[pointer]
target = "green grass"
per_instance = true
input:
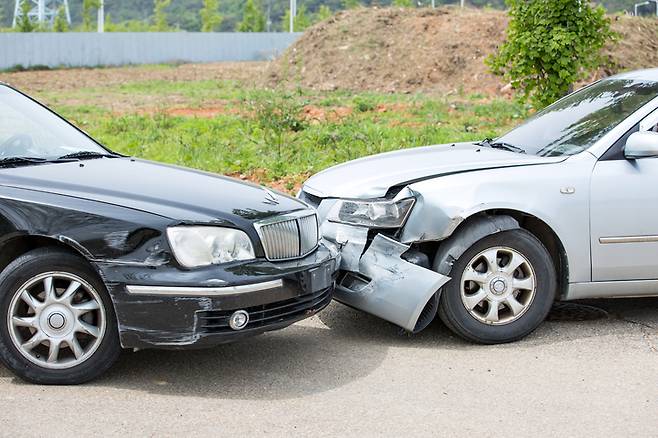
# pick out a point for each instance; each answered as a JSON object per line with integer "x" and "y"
{"x": 268, "y": 134}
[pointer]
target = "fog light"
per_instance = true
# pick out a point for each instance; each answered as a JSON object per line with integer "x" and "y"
{"x": 238, "y": 320}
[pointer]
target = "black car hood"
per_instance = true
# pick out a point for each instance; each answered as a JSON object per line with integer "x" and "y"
{"x": 178, "y": 193}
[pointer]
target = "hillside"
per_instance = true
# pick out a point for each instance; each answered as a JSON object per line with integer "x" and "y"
{"x": 442, "y": 50}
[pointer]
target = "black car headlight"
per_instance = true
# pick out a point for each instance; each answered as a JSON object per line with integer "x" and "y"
{"x": 372, "y": 214}
{"x": 196, "y": 246}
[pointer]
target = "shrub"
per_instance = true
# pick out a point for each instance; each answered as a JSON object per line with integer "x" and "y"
{"x": 550, "y": 45}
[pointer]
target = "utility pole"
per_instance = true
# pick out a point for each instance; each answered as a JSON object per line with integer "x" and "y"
{"x": 41, "y": 11}
{"x": 101, "y": 16}
{"x": 293, "y": 13}
{"x": 269, "y": 16}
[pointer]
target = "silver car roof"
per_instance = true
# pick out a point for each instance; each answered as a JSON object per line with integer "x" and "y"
{"x": 649, "y": 74}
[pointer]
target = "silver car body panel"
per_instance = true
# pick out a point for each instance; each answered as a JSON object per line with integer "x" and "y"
{"x": 454, "y": 246}
{"x": 613, "y": 289}
{"x": 624, "y": 217}
{"x": 584, "y": 201}
{"x": 394, "y": 289}
{"x": 558, "y": 196}
{"x": 377, "y": 173}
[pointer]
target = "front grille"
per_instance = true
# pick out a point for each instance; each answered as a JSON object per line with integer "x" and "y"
{"x": 290, "y": 236}
{"x": 216, "y": 321}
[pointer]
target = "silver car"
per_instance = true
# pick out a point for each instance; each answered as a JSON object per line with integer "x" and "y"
{"x": 490, "y": 234}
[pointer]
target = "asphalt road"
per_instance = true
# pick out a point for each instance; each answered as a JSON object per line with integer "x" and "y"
{"x": 346, "y": 373}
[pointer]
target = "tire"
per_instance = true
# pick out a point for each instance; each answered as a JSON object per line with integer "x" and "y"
{"x": 82, "y": 314}
{"x": 515, "y": 312}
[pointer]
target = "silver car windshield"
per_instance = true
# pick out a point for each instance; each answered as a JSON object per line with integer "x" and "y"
{"x": 27, "y": 129}
{"x": 573, "y": 124}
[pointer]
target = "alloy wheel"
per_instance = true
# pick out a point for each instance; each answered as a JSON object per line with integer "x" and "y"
{"x": 498, "y": 285}
{"x": 56, "y": 320}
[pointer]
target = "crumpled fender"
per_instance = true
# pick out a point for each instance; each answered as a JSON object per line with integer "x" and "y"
{"x": 473, "y": 230}
{"x": 387, "y": 285}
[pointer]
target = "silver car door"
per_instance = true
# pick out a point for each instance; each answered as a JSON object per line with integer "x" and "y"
{"x": 624, "y": 216}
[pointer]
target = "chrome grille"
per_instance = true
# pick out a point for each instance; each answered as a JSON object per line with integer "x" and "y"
{"x": 289, "y": 236}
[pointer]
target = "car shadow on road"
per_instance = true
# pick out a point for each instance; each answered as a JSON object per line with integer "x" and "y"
{"x": 343, "y": 346}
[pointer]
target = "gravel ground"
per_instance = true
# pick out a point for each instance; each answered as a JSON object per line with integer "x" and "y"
{"x": 346, "y": 373}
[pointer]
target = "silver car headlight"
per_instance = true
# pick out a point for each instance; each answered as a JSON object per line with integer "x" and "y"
{"x": 196, "y": 246}
{"x": 372, "y": 214}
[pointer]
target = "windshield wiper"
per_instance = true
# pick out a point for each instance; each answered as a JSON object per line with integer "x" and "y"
{"x": 86, "y": 155}
{"x": 488, "y": 142}
{"x": 13, "y": 161}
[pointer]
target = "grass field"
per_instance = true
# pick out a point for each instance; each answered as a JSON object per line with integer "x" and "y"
{"x": 274, "y": 137}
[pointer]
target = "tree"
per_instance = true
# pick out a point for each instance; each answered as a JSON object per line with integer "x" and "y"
{"x": 25, "y": 24}
{"x": 323, "y": 13}
{"x": 160, "y": 15}
{"x": 302, "y": 20}
{"x": 89, "y": 8}
{"x": 210, "y": 18}
{"x": 253, "y": 19}
{"x": 126, "y": 26}
{"x": 61, "y": 23}
{"x": 550, "y": 45}
{"x": 351, "y": 4}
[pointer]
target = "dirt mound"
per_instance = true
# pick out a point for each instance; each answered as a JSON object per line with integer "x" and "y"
{"x": 435, "y": 50}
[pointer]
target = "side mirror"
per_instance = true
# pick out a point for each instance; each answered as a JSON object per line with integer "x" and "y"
{"x": 641, "y": 145}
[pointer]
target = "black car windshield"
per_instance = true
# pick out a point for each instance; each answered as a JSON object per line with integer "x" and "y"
{"x": 573, "y": 124}
{"x": 28, "y": 130}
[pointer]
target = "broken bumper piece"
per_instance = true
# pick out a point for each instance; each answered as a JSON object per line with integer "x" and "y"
{"x": 171, "y": 308}
{"x": 378, "y": 281}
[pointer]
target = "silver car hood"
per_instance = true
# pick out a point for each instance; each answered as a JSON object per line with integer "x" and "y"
{"x": 371, "y": 177}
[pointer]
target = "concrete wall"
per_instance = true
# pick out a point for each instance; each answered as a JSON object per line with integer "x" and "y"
{"x": 77, "y": 49}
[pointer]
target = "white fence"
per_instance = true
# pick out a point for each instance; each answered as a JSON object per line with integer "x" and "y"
{"x": 77, "y": 49}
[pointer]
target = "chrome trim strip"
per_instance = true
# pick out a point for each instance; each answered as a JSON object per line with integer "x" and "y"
{"x": 285, "y": 217}
{"x": 202, "y": 291}
{"x": 628, "y": 239}
{"x": 613, "y": 289}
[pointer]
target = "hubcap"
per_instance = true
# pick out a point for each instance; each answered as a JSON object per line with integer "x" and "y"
{"x": 498, "y": 285}
{"x": 56, "y": 320}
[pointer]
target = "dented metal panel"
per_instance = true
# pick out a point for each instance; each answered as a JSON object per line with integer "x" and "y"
{"x": 386, "y": 286}
{"x": 350, "y": 240}
{"x": 452, "y": 248}
{"x": 397, "y": 290}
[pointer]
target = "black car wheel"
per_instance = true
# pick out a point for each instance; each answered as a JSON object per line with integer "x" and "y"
{"x": 58, "y": 324}
{"x": 502, "y": 288}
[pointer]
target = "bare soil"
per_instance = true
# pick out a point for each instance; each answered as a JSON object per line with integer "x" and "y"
{"x": 441, "y": 50}
{"x": 75, "y": 78}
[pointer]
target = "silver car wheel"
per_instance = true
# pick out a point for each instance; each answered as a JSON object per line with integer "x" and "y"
{"x": 498, "y": 285}
{"x": 56, "y": 320}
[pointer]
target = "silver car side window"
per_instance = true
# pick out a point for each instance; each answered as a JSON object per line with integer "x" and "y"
{"x": 650, "y": 122}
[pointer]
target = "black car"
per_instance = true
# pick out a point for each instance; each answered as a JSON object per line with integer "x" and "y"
{"x": 100, "y": 251}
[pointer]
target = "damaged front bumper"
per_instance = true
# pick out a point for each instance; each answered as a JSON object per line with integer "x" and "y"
{"x": 376, "y": 279}
{"x": 166, "y": 307}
